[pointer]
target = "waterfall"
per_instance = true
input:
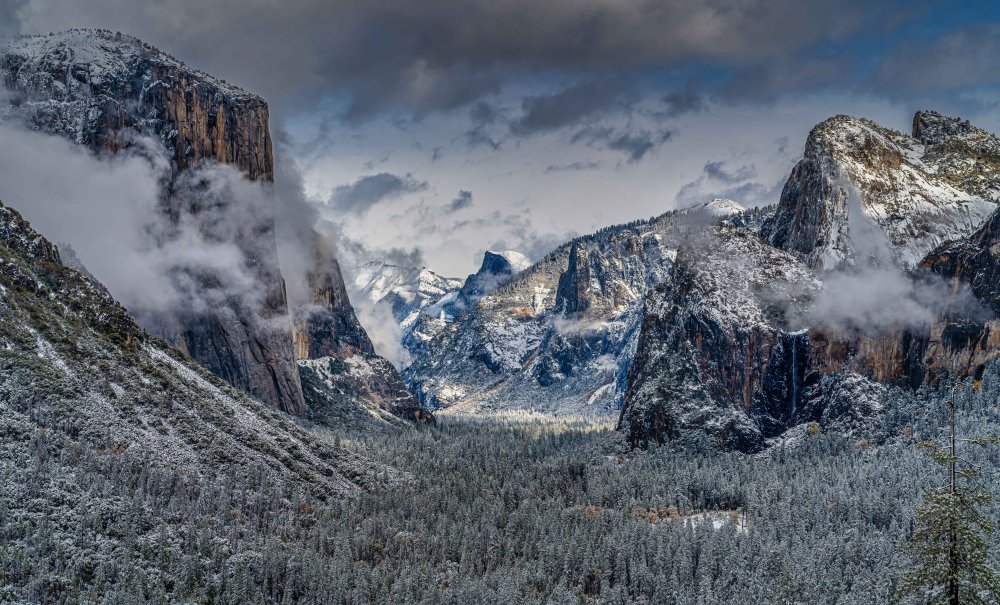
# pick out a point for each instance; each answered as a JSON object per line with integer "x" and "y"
{"x": 793, "y": 403}
{"x": 795, "y": 377}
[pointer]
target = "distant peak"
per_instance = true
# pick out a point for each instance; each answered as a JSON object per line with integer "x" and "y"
{"x": 719, "y": 207}
{"x": 504, "y": 261}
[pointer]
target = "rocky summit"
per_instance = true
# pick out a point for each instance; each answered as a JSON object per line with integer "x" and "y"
{"x": 919, "y": 190}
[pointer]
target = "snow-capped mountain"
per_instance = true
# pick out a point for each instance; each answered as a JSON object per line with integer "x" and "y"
{"x": 718, "y": 207}
{"x": 408, "y": 291}
{"x": 558, "y": 337}
{"x": 741, "y": 340}
{"x": 937, "y": 184}
{"x": 423, "y": 302}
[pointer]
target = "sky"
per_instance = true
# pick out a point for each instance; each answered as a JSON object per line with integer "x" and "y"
{"x": 432, "y": 131}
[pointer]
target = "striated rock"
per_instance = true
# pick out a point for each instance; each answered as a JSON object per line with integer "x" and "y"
{"x": 102, "y": 90}
{"x": 919, "y": 191}
{"x": 95, "y": 87}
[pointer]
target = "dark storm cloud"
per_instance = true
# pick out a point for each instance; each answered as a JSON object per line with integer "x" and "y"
{"x": 761, "y": 83}
{"x": 462, "y": 200}
{"x": 380, "y": 55}
{"x": 484, "y": 116}
{"x": 359, "y": 196}
{"x": 719, "y": 172}
{"x": 569, "y": 106}
{"x": 635, "y": 145}
{"x": 958, "y": 60}
{"x": 684, "y": 101}
{"x": 574, "y": 167}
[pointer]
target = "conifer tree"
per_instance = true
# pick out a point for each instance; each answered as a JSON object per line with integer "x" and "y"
{"x": 953, "y": 566}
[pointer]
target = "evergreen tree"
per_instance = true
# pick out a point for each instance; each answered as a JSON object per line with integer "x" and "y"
{"x": 953, "y": 565}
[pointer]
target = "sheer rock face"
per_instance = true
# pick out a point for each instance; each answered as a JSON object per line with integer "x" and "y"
{"x": 919, "y": 191}
{"x": 100, "y": 89}
{"x": 326, "y": 325}
{"x": 713, "y": 354}
{"x": 94, "y": 88}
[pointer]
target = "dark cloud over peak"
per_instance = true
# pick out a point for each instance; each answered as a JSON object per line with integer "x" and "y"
{"x": 573, "y": 167}
{"x": 718, "y": 171}
{"x": 957, "y": 60}
{"x": 687, "y": 100}
{"x": 570, "y": 106}
{"x": 722, "y": 179}
{"x": 462, "y": 200}
{"x": 379, "y": 56}
{"x": 359, "y": 196}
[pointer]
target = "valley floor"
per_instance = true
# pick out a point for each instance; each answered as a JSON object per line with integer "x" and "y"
{"x": 495, "y": 513}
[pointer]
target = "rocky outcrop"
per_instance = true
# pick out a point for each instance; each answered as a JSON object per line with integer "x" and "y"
{"x": 95, "y": 88}
{"x": 497, "y": 269}
{"x": 340, "y": 370}
{"x": 326, "y": 325}
{"x": 713, "y": 354}
{"x": 918, "y": 191}
{"x": 105, "y": 91}
{"x": 336, "y": 390}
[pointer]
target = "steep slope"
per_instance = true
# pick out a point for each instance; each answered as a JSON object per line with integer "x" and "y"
{"x": 715, "y": 352}
{"x": 559, "y": 337}
{"x": 113, "y": 93}
{"x": 102, "y": 90}
{"x": 937, "y": 185}
{"x": 77, "y": 372}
